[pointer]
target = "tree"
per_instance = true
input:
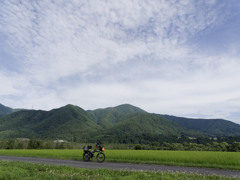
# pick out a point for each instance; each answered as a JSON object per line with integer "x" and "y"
{"x": 138, "y": 147}
{"x": 10, "y": 144}
{"x": 35, "y": 144}
{"x": 235, "y": 147}
{"x": 224, "y": 146}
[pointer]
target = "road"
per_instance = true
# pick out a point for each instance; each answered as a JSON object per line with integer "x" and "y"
{"x": 125, "y": 166}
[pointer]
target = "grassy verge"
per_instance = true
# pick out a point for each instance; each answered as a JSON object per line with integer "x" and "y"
{"x": 20, "y": 170}
{"x": 222, "y": 160}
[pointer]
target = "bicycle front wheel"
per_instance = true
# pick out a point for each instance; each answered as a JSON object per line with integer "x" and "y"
{"x": 100, "y": 157}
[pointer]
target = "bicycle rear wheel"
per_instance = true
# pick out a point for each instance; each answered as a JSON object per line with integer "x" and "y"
{"x": 86, "y": 156}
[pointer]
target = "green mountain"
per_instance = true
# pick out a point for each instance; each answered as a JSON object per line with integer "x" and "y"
{"x": 217, "y": 127}
{"x": 108, "y": 117}
{"x": 142, "y": 127}
{"x": 67, "y": 122}
{"x": 4, "y": 110}
{"x": 124, "y": 124}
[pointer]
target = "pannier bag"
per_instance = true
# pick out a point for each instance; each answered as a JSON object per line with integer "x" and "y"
{"x": 87, "y": 147}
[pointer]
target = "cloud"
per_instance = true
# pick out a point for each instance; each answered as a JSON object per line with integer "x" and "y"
{"x": 48, "y": 33}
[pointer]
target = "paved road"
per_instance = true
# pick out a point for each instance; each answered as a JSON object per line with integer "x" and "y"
{"x": 125, "y": 166}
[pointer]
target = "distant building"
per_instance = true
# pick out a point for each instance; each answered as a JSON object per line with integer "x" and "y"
{"x": 192, "y": 138}
{"x": 59, "y": 141}
{"x": 22, "y": 139}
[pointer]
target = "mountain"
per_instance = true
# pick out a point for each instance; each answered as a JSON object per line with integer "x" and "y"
{"x": 124, "y": 124}
{"x": 64, "y": 123}
{"x": 142, "y": 127}
{"x": 68, "y": 122}
{"x": 108, "y": 117}
{"x": 217, "y": 127}
{"x": 4, "y": 110}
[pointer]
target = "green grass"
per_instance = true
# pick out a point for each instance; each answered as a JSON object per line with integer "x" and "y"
{"x": 222, "y": 160}
{"x": 20, "y": 170}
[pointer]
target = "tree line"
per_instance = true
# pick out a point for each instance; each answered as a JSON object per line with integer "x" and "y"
{"x": 59, "y": 144}
{"x": 214, "y": 146}
{"x": 128, "y": 138}
{"x": 37, "y": 144}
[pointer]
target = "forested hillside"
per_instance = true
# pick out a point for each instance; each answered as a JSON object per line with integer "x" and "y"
{"x": 120, "y": 124}
{"x": 4, "y": 110}
{"x": 217, "y": 127}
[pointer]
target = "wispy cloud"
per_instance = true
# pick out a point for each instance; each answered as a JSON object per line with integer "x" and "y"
{"x": 102, "y": 53}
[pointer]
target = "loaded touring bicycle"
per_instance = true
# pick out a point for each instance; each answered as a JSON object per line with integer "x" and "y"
{"x": 89, "y": 153}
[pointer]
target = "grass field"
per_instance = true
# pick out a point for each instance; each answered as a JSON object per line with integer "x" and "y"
{"x": 20, "y": 170}
{"x": 223, "y": 160}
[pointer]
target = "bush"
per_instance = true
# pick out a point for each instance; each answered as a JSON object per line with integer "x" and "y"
{"x": 35, "y": 144}
{"x": 138, "y": 147}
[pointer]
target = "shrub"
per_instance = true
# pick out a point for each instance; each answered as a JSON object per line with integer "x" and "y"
{"x": 138, "y": 147}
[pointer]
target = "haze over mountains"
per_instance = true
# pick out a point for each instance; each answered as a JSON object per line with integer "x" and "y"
{"x": 124, "y": 123}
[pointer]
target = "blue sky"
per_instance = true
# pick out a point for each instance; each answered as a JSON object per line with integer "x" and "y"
{"x": 171, "y": 57}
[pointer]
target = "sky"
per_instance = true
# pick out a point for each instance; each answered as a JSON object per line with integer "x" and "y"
{"x": 178, "y": 57}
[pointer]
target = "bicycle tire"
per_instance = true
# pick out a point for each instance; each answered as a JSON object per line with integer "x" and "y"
{"x": 100, "y": 157}
{"x": 86, "y": 156}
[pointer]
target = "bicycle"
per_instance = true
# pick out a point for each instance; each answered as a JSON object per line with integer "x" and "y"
{"x": 88, "y": 153}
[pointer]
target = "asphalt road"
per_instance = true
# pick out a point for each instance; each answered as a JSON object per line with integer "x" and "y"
{"x": 126, "y": 166}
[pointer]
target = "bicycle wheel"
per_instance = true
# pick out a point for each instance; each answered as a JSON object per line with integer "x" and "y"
{"x": 86, "y": 156}
{"x": 100, "y": 157}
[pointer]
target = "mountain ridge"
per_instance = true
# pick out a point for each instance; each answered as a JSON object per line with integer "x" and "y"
{"x": 4, "y": 110}
{"x": 206, "y": 125}
{"x": 124, "y": 123}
